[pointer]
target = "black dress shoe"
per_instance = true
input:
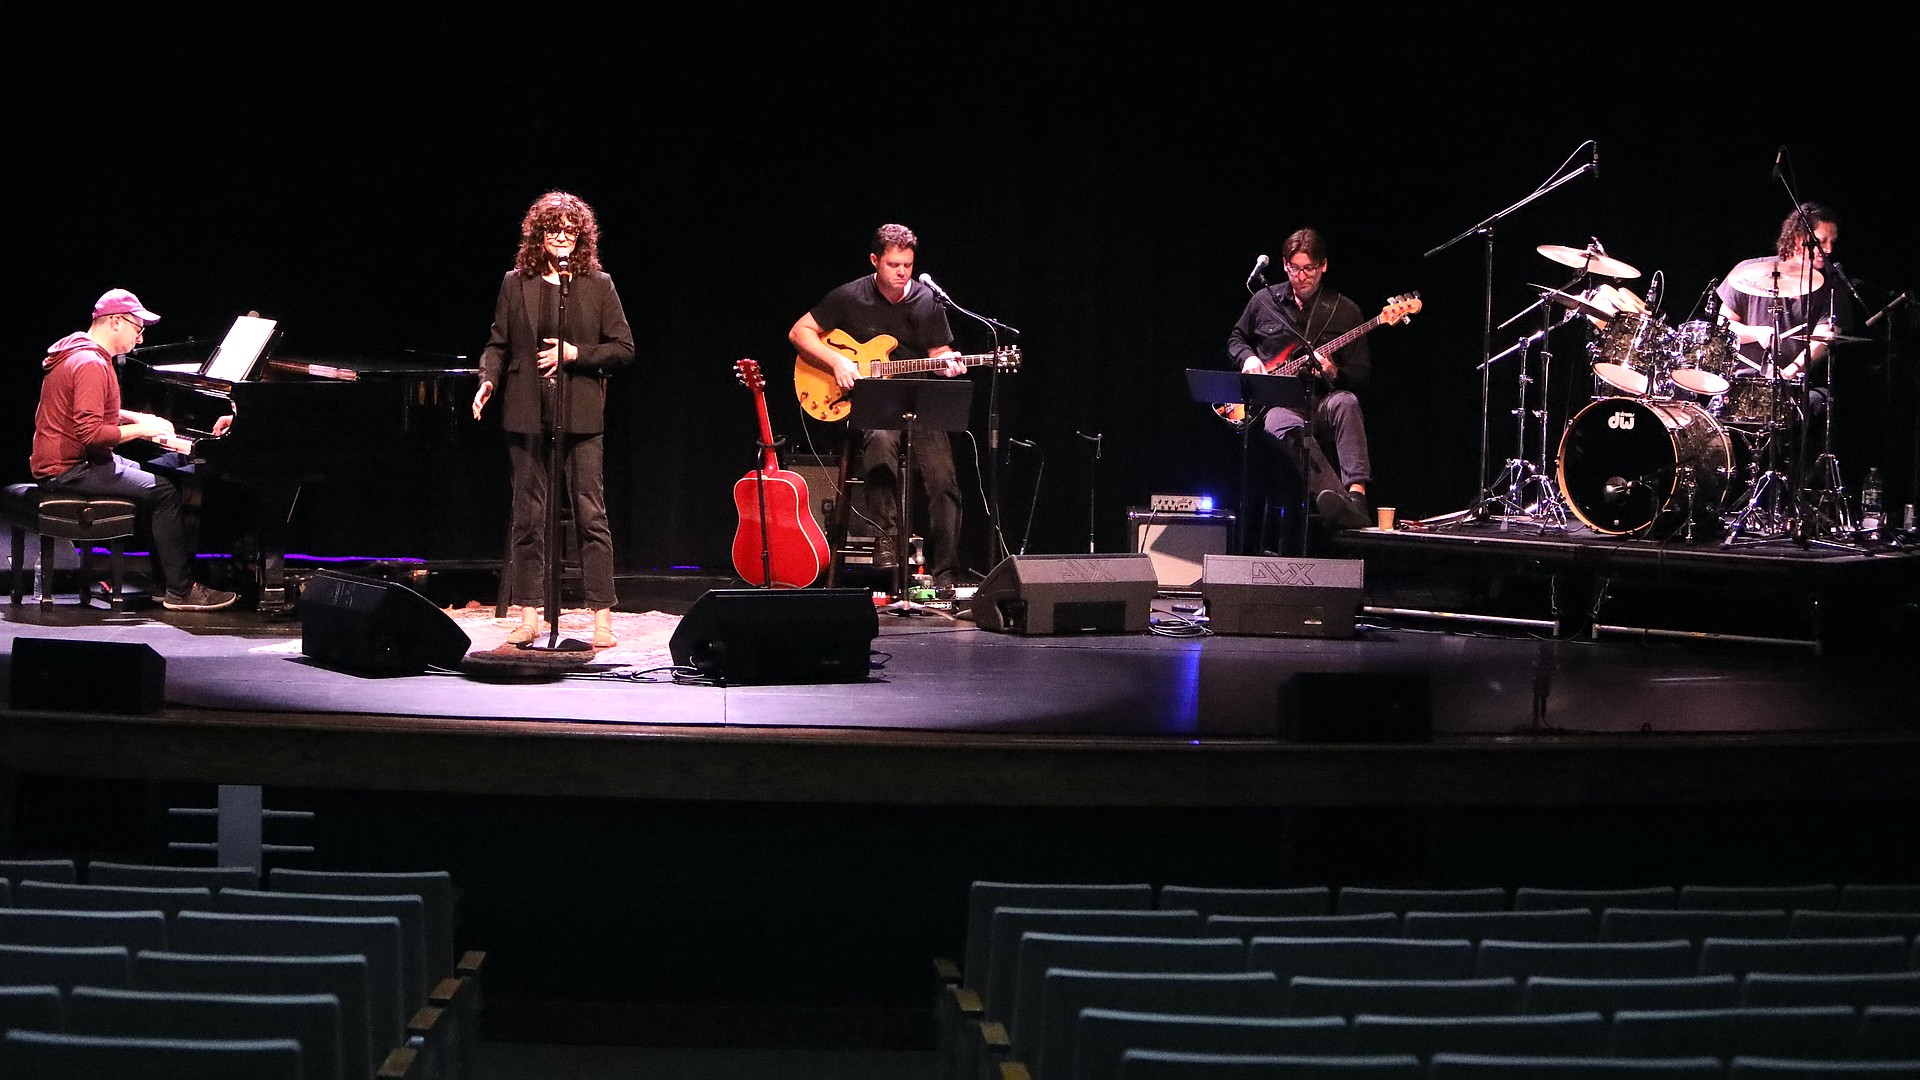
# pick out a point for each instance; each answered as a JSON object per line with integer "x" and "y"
{"x": 884, "y": 555}
{"x": 1343, "y": 509}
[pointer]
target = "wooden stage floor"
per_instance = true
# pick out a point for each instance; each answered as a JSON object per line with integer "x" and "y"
{"x": 1547, "y": 714}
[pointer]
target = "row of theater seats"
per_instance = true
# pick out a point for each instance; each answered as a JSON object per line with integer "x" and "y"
{"x": 199, "y": 971}
{"x": 1088, "y": 982}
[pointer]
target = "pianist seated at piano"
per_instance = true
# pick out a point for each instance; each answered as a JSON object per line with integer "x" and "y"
{"x": 80, "y": 424}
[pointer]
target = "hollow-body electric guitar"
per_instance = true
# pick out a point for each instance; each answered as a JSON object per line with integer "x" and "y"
{"x": 823, "y": 399}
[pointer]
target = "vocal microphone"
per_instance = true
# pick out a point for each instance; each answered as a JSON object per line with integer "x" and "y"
{"x": 1777, "y": 156}
{"x": 1258, "y": 265}
{"x": 939, "y": 293}
{"x": 560, "y": 265}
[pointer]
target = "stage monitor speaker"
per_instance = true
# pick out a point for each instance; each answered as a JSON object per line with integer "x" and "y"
{"x": 1067, "y": 594}
{"x": 1356, "y": 707}
{"x": 1177, "y": 542}
{"x": 65, "y": 675}
{"x": 1280, "y": 596}
{"x": 762, "y": 636}
{"x": 374, "y": 627}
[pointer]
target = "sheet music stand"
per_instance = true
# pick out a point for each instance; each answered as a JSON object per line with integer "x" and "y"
{"x": 1211, "y": 386}
{"x": 909, "y": 406}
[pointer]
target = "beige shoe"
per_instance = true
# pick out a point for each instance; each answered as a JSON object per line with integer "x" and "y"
{"x": 603, "y": 629}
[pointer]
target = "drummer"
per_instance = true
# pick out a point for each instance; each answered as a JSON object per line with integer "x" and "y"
{"x": 1794, "y": 276}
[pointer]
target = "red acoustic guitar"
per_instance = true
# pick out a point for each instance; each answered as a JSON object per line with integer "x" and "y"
{"x": 778, "y": 544}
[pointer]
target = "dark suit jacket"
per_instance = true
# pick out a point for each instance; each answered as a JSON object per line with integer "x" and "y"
{"x": 596, "y": 324}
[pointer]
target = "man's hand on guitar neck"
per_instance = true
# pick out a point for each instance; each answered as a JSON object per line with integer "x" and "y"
{"x": 954, "y": 367}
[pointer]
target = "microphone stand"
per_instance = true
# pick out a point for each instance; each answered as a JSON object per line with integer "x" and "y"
{"x": 556, "y": 450}
{"x": 1093, "y": 483}
{"x": 1485, "y": 229}
{"x": 994, "y": 328}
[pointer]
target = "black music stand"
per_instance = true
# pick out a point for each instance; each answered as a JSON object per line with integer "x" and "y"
{"x": 925, "y": 406}
{"x": 1210, "y": 386}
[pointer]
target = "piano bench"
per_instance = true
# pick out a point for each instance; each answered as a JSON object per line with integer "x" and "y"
{"x": 85, "y": 520}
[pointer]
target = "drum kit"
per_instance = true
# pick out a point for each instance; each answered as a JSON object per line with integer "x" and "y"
{"x": 1683, "y": 432}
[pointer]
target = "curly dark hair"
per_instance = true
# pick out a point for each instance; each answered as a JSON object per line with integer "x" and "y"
{"x": 893, "y": 236}
{"x": 1800, "y": 225}
{"x": 557, "y": 208}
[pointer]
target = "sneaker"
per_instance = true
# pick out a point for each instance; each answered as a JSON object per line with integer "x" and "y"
{"x": 199, "y": 598}
{"x": 1343, "y": 509}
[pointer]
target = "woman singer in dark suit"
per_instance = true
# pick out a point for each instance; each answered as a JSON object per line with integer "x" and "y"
{"x": 532, "y": 360}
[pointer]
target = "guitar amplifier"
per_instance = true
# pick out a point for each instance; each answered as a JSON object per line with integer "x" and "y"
{"x": 1177, "y": 542}
{"x": 822, "y": 474}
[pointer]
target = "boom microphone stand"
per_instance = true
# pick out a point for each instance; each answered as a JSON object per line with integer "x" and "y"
{"x": 994, "y": 327}
{"x": 1485, "y": 229}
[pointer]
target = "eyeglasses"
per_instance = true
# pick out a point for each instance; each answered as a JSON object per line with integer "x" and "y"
{"x": 139, "y": 328}
{"x": 563, "y": 230}
{"x": 1305, "y": 271}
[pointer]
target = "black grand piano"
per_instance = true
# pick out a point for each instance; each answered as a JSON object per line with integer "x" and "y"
{"x": 364, "y": 458}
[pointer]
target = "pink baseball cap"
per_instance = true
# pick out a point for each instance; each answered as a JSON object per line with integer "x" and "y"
{"x": 122, "y": 302}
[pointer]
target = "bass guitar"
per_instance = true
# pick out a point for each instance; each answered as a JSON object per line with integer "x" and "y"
{"x": 1294, "y": 358}
{"x": 823, "y": 399}
{"x": 778, "y": 544}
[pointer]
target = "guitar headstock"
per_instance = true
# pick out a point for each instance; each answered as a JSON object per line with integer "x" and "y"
{"x": 1007, "y": 358}
{"x": 748, "y": 372}
{"x": 1400, "y": 308}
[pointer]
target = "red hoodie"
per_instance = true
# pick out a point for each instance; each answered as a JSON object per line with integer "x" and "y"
{"x": 79, "y": 415}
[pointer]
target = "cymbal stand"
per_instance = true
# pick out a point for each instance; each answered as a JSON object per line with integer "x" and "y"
{"x": 1521, "y": 478}
{"x": 1767, "y": 516}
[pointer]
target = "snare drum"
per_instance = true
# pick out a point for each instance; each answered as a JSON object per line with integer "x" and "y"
{"x": 1627, "y": 464}
{"x": 1703, "y": 357}
{"x": 1633, "y": 352}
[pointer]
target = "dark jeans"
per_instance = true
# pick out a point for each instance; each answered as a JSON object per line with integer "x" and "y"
{"x": 158, "y": 496}
{"x": 1336, "y": 455}
{"x": 933, "y": 464}
{"x": 584, "y": 472}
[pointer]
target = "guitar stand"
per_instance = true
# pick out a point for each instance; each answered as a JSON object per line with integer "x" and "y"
{"x": 928, "y": 406}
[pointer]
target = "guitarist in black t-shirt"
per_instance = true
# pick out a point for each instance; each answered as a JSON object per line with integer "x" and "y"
{"x": 889, "y": 302}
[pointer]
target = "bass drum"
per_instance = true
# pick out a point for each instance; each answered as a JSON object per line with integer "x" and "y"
{"x": 1628, "y": 464}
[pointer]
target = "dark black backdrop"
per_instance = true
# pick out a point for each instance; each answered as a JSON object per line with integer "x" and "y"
{"x": 1104, "y": 184}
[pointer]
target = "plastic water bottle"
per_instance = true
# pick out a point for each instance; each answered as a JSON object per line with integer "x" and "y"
{"x": 1870, "y": 508}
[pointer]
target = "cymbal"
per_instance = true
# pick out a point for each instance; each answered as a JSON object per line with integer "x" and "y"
{"x": 1771, "y": 277}
{"x": 1589, "y": 259}
{"x": 1583, "y": 305}
{"x": 1836, "y": 339}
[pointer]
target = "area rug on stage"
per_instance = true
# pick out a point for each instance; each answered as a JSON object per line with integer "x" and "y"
{"x": 643, "y": 635}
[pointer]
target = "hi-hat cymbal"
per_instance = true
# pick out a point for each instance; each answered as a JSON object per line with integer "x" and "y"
{"x": 1835, "y": 339}
{"x": 1590, "y": 259}
{"x": 1583, "y": 305}
{"x": 1771, "y": 277}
